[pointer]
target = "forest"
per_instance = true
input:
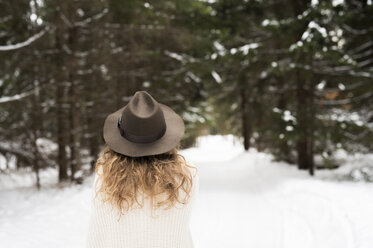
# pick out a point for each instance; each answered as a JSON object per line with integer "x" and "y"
{"x": 291, "y": 78}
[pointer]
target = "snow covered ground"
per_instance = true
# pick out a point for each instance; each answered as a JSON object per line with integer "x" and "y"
{"x": 245, "y": 200}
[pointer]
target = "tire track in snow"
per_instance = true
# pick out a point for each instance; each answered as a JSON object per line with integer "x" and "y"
{"x": 268, "y": 199}
{"x": 335, "y": 211}
{"x": 332, "y": 212}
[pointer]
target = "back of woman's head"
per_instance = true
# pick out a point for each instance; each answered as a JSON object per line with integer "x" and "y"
{"x": 126, "y": 181}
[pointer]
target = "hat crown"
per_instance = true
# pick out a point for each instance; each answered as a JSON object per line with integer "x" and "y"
{"x": 143, "y": 105}
{"x": 142, "y": 117}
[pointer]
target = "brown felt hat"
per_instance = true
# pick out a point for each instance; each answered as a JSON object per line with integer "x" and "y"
{"x": 143, "y": 127}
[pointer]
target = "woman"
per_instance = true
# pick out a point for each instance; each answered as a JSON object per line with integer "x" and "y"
{"x": 144, "y": 189}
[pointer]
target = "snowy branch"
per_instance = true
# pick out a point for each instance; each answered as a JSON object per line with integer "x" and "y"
{"x": 24, "y": 43}
{"x": 182, "y": 58}
{"x": 93, "y": 18}
{"x": 347, "y": 88}
{"x": 17, "y": 97}
{"x": 361, "y": 74}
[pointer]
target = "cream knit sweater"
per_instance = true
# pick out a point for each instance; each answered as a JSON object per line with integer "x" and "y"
{"x": 141, "y": 227}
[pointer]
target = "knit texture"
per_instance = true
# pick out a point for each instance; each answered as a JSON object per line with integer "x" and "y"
{"x": 141, "y": 227}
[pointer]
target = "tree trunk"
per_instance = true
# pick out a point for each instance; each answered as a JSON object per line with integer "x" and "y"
{"x": 74, "y": 131}
{"x": 36, "y": 114}
{"x": 93, "y": 152}
{"x": 311, "y": 129}
{"x": 282, "y": 103}
{"x": 74, "y": 135}
{"x": 302, "y": 124}
{"x": 36, "y": 159}
{"x": 92, "y": 137}
{"x": 60, "y": 100}
{"x": 61, "y": 135}
{"x": 246, "y": 132}
{"x": 259, "y": 118}
{"x": 7, "y": 158}
{"x": 304, "y": 120}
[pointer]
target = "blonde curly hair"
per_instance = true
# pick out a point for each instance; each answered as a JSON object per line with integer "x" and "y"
{"x": 125, "y": 181}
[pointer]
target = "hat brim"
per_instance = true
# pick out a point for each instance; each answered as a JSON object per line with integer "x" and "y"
{"x": 171, "y": 138}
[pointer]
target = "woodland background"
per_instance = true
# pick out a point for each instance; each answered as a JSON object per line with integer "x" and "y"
{"x": 293, "y": 78}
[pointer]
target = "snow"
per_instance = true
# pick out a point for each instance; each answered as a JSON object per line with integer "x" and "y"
{"x": 24, "y": 180}
{"x": 312, "y": 25}
{"x": 341, "y": 86}
{"x": 267, "y": 22}
{"x": 337, "y": 2}
{"x": 246, "y": 48}
{"x": 321, "y": 85}
{"x": 288, "y": 116}
{"x": 220, "y": 48}
{"x": 174, "y": 56}
{"x": 357, "y": 167}
{"x": 245, "y": 200}
{"x": 314, "y": 3}
{"x": 222, "y": 51}
{"x": 24, "y": 43}
{"x": 233, "y": 50}
{"x": 146, "y": 84}
{"x": 295, "y": 46}
{"x": 320, "y": 29}
{"x": 243, "y": 49}
{"x": 33, "y": 17}
{"x": 217, "y": 77}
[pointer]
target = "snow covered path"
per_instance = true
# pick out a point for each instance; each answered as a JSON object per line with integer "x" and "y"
{"x": 245, "y": 200}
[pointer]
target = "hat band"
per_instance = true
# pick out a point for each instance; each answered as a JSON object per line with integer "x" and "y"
{"x": 142, "y": 139}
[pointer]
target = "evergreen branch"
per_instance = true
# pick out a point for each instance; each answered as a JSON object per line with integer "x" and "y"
{"x": 357, "y": 31}
{"x": 346, "y": 101}
{"x": 362, "y": 47}
{"x": 365, "y": 62}
{"x": 363, "y": 54}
